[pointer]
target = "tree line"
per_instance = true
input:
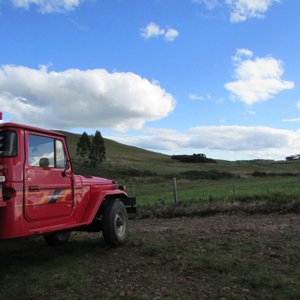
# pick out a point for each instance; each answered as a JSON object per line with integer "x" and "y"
{"x": 195, "y": 158}
{"x": 91, "y": 150}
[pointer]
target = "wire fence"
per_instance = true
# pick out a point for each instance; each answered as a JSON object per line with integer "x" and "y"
{"x": 234, "y": 189}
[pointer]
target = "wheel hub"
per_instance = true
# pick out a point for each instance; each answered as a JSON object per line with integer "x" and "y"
{"x": 120, "y": 224}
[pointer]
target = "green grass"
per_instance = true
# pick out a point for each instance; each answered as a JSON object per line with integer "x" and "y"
{"x": 215, "y": 190}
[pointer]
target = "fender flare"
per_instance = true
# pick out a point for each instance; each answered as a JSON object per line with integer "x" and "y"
{"x": 103, "y": 199}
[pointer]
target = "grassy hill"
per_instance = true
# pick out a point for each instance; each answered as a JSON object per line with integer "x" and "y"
{"x": 148, "y": 175}
{"x": 120, "y": 157}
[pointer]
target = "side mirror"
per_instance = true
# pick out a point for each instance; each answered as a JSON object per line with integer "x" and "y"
{"x": 44, "y": 162}
{"x": 67, "y": 170}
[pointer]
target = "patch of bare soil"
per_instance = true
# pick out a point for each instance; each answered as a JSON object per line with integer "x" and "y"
{"x": 213, "y": 257}
{"x": 220, "y": 224}
{"x": 220, "y": 257}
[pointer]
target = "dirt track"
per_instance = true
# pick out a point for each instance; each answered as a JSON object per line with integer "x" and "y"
{"x": 216, "y": 257}
{"x": 220, "y": 224}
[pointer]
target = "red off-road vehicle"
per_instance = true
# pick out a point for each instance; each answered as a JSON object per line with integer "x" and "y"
{"x": 39, "y": 193}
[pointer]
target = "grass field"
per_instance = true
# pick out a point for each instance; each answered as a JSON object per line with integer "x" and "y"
{"x": 216, "y": 190}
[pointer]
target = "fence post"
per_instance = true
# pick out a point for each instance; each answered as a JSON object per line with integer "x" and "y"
{"x": 233, "y": 187}
{"x": 175, "y": 190}
{"x": 133, "y": 191}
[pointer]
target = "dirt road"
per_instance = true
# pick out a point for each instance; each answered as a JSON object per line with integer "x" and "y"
{"x": 220, "y": 224}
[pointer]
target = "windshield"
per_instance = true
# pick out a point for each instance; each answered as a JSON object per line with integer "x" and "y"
{"x": 8, "y": 143}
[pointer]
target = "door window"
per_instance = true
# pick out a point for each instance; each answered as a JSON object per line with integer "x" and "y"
{"x": 60, "y": 155}
{"x": 46, "y": 152}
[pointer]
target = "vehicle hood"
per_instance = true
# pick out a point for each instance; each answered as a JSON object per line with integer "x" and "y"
{"x": 90, "y": 180}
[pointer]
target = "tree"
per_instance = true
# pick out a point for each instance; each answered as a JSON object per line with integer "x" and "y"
{"x": 83, "y": 145}
{"x": 97, "y": 149}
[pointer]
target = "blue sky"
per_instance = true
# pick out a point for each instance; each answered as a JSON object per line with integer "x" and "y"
{"x": 219, "y": 77}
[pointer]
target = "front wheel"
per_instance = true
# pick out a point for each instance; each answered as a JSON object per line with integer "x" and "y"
{"x": 57, "y": 238}
{"x": 115, "y": 223}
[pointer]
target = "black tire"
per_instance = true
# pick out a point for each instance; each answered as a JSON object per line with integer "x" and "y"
{"x": 115, "y": 223}
{"x": 57, "y": 238}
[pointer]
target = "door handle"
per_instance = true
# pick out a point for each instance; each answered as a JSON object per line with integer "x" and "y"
{"x": 34, "y": 188}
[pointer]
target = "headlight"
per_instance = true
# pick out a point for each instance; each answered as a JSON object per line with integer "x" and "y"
{"x": 121, "y": 187}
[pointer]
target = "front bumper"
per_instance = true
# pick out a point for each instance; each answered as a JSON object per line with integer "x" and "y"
{"x": 130, "y": 204}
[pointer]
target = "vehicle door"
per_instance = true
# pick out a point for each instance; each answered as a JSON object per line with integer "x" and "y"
{"x": 48, "y": 179}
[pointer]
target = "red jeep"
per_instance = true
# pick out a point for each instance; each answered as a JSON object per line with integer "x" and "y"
{"x": 39, "y": 194}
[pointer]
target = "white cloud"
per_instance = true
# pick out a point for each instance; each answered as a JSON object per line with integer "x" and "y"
{"x": 195, "y": 97}
{"x": 232, "y": 142}
{"x": 154, "y": 30}
{"x": 77, "y": 98}
{"x": 257, "y": 79}
{"x": 242, "y": 53}
{"x": 210, "y": 4}
{"x": 242, "y": 10}
{"x": 171, "y": 34}
{"x": 206, "y": 97}
{"x": 48, "y": 6}
{"x": 296, "y": 120}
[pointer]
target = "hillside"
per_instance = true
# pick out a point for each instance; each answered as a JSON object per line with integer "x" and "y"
{"x": 121, "y": 159}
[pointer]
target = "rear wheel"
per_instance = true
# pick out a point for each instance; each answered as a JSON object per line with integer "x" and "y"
{"x": 57, "y": 238}
{"x": 115, "y": 223}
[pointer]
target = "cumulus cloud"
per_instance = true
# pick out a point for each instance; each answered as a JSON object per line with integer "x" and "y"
{"x": 242, "y": 10}
{"x": 257, "y": 79}
{"x": 77, "y": 98}
{"x": 48, "y": 6}
{"x": 154, "y": 30}
{"x": 233, "y": 141}
{"x": 171, "y": 34}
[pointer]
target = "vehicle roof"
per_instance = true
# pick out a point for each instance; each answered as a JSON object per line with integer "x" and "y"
{"x": 31, "y": 128}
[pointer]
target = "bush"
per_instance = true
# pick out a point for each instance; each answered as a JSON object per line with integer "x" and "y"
{"x": 265, "y": 174}
{"x": 211, "y": 175}
{"x": 195, "y": 158}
